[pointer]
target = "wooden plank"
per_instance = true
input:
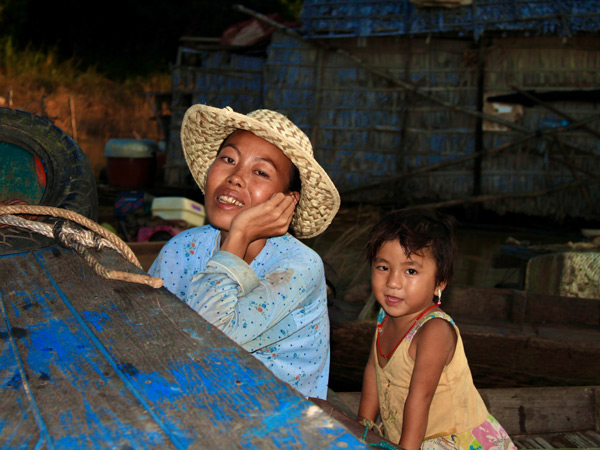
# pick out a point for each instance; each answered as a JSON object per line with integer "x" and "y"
{"x": 128, "y": 365}
{"x": 77, "y": 392}
{"x": 542, "y": 410}
{"x": 470, "y": 303}
{"x": 500, "y": 354}
{"x": 552, "y": 356}
{"x": 493, "y": 305}
{"x": 18, "y": 428}
{"x": 537, "y": 409}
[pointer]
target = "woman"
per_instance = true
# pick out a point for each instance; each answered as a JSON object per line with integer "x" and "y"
{"x": 244, "y": 272}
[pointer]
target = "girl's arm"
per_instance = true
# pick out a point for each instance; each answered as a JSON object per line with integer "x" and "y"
{"x": 433, "y": 348}
{"x": 369, "y": 402}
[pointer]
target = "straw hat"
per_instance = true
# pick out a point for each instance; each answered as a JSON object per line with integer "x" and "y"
{"x": 204, "y": 129}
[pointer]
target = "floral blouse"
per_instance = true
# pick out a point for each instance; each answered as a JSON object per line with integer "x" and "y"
{"x": 275, "y": 307}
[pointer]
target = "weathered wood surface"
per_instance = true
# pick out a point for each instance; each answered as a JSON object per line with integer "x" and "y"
{"x": 501, "y": 306}
{"x": 544, "y": 417}
{"x": 91, "y": 363}
{"x": 511, "y": 338}
{"x": 341, "y": 413}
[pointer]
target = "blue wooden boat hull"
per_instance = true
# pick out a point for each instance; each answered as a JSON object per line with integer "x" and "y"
{"x": 92, "y": 363}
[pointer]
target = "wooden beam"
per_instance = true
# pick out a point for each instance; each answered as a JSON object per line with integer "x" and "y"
{"x": 541, "y": 410}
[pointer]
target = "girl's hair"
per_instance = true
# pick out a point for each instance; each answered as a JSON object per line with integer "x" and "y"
{"x": 418, "y": 229}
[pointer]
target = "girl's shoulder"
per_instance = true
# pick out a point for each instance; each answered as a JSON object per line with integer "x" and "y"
{"x": 437, "y": 315}
{"x": 432, "y": 315}
{"x": 423, "y": 320}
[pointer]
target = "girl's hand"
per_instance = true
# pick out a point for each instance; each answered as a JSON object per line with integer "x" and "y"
{"x": 260, "y": 222}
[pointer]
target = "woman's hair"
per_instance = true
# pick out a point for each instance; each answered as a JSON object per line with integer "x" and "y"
{"x": 295, "y": 183}
{"x": 416, "y": 230}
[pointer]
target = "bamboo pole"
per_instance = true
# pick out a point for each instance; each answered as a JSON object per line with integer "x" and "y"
{"x": 73, "y": 119}
{"x": 485, "y": 198}
{"x": 584, "y": 190}
{"x": 570, "y": 118}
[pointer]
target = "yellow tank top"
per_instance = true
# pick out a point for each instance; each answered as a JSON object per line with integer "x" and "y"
{"x": 456, "y": 405}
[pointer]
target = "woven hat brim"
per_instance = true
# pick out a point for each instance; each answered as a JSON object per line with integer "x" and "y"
{"x": 203, "y": 130}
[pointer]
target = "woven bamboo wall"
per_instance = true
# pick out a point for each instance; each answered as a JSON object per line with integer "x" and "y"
{"x": 363, "y": 128}
{"x": 542, "y": 65}
{"x": 366, "y": 130}
{"x": 215, "y": 77}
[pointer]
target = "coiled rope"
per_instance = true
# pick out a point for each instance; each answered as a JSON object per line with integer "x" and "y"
{"x": 72, "y": 236}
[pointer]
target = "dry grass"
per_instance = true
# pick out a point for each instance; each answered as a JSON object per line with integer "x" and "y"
{"x": 86, "y": 105}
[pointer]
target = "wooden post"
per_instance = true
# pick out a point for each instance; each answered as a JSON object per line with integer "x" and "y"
{"x": 44, "y": 114}
{"x": 596, "y": 391}
{"x": 316, "y": 109}
{"x": 477, "y": 163}
{"x": 73, "y": 119}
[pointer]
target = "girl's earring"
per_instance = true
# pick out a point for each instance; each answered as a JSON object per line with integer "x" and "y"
{"x": 439, "y": 293}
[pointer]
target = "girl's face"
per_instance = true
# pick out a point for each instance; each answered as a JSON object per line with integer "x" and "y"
{"x": 403, "y": 286}
{"x": 246, "y": 172}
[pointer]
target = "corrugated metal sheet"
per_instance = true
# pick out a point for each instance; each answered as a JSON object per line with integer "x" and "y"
{"x": 368, "y": 18}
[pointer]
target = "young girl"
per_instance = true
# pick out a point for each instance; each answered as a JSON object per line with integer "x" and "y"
{"x": 417, "y": 376}
{"x": 244, "y": 272}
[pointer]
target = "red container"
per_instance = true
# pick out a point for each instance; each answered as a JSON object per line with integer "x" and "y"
{"x": 130, "y": 163}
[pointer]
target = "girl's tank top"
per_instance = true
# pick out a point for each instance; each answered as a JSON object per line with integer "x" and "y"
{"x": 456, "y": 405}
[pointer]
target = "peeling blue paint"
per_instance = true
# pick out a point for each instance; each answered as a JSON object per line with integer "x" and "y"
{"x": 66, "y": 350}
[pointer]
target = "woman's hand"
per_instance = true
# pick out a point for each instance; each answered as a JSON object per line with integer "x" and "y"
{"x": 271, "y": 218}
{"x": 260, "y": 222}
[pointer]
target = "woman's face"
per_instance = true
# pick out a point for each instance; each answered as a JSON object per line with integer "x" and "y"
{"x": 246, "y": 172}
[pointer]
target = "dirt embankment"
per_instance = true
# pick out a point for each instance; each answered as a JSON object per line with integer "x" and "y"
{"x": 91, "y": 114}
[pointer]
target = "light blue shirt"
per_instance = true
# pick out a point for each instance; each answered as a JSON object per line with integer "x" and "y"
{"x": 276, "y": 307}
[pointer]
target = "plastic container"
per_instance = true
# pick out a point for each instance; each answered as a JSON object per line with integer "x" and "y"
{"x": 130, "y": 163}
{"x": 179, "y": 208}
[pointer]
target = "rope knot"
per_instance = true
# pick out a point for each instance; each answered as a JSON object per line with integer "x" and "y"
{"x": 59, "y": 233}
{"x": 71, "y": 235}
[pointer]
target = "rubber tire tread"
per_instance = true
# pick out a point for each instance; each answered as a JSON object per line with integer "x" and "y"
{"x": 70, "y": 182}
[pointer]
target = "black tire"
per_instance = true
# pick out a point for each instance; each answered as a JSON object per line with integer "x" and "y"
{"x": 70, "y": 180}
